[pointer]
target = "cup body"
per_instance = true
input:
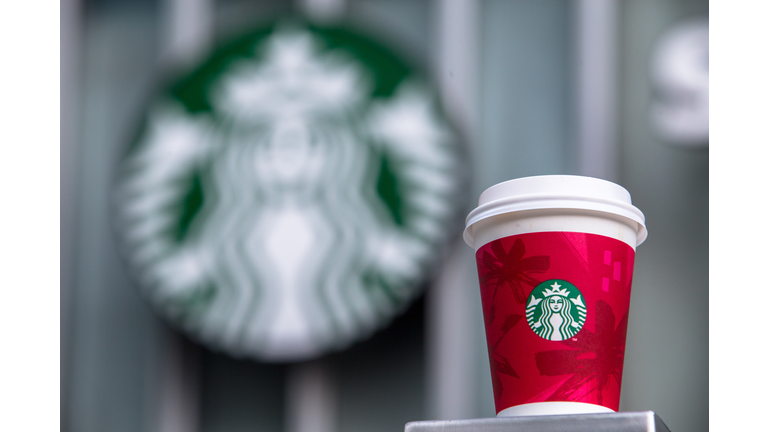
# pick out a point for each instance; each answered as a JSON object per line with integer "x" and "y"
{"x": 555, "y": 257}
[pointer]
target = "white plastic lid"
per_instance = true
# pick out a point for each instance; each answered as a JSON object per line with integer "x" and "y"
{"x": 556, "y": 192}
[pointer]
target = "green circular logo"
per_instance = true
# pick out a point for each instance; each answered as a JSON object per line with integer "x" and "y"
{"x": 555, "y": 310}
{"x": 290, "y": 196}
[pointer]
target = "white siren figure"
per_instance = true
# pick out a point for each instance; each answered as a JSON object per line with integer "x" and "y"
{"x": 556, "y": 321}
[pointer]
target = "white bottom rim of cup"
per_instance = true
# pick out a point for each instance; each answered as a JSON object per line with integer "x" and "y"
{"x": 553, "y": 408}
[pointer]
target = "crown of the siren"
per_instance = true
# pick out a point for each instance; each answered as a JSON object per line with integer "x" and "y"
{"x": 556, "y": 291}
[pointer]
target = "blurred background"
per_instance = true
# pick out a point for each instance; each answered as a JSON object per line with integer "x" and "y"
{"x": 606, "y": 88}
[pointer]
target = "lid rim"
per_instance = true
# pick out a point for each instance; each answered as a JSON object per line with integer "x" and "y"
{"x": 519, "y": 203}
{"x": 539, "y": 201}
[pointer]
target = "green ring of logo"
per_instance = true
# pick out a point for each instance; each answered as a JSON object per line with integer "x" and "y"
{"x": 556, "y": 310}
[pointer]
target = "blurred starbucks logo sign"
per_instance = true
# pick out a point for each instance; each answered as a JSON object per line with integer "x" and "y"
{"x": 680, "y": 78}
{"x": 291, "y": 195}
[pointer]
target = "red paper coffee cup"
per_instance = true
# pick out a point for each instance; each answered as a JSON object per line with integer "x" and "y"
{"x": 555, "y": 256}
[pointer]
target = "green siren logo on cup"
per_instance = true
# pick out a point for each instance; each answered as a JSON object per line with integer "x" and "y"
{"x": 291, "y": 195}
{"x": 555, "y": 310}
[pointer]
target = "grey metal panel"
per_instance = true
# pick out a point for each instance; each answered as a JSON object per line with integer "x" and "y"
{"x": 71, "y": 72}
{"x": 525, "y": 90}
{"x": 117, "y": 343}
{"x": 595, "y": 75}
{"x": 454, "y": 325}
{"x": 403, "y": 25}
{"x": 646, "y": 421}
{"x": 666, "y": 361}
